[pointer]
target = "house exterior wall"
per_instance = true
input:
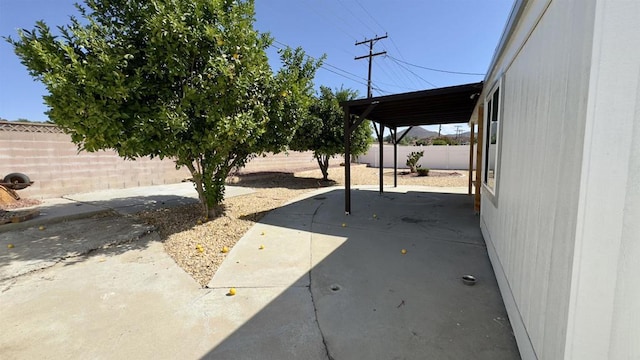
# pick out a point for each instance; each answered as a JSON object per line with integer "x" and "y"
{"x": 529, "y": 225}
{"x": 604, "y": 314}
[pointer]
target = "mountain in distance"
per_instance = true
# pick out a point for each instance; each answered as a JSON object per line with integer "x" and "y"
{"x": 418, "y": 132}
{"x": 466, "y": 135}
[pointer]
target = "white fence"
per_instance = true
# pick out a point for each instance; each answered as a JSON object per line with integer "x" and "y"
{"x": 440, "y": 157}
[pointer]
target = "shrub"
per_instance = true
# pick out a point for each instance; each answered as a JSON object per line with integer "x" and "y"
{"x": 423, "y": 172}
{"x": 412, "y": 160}
{"x": 439, "y": 142}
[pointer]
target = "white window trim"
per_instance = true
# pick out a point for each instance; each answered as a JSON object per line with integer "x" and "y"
{"x": 492, "y": 193}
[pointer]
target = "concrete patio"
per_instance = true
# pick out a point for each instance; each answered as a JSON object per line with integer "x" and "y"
{"x": 325, "y": 286}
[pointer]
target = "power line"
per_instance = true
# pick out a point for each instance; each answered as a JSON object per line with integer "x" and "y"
{"x": 341, "y": 19}
{"x": 400, "y": 74}
{"x": 338, "y": 25}
{"x": 323, "y": 63}
{"x": 397, "y": 48}
{"x": 410, "y": 80}
{"x": 418, "y": 76}
{"x": 391, "y": 76}
{"x": 437, "y": 70}
{"x": 382, "y": 27}
{"x": 327, "y": 67}
{"x": 344, "y": 76}
{"x": 372, "y": 18}
{"x": 356, "y": 16}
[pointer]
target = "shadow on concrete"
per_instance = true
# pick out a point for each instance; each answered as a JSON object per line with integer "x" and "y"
{"x": 136, "y": 204}
{"x": 37, "y": 247}
{"x": 72, "y": 227}
{"x": 339, "y": 287}
{"x": 271, "y": 179}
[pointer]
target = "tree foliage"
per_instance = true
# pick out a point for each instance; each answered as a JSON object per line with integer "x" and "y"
{"x": 322, "y": 131}
{"x": 185, "y": 79}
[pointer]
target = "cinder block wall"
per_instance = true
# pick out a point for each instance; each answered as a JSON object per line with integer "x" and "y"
{"x": 48, "y": 157}
{"x": 52, "y": 161}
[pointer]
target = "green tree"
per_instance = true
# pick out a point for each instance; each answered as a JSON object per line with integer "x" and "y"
{"x": 184, "y": 79}
{"x": 323, "y": 130}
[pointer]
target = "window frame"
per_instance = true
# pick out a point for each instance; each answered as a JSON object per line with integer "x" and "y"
{"x": 493, "y": 111}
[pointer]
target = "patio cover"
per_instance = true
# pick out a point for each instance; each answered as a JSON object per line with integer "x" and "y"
{"x": 447, "y": 105}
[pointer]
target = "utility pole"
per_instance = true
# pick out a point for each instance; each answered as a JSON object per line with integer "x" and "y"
{"x": 458, "y": 131}
{"x": 370, "y": 56}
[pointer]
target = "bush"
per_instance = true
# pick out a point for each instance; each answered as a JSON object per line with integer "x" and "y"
{"x": 423, "y": 172}
{"x": 439, "y": 142}
{"x": 412, "y": 160}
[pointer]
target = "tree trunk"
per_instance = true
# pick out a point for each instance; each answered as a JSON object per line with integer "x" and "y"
{"x": 208, "y": 213}
{"x": 323, "y": 162}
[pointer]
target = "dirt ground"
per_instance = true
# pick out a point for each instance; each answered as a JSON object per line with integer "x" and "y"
{"x": 197, "y": 246}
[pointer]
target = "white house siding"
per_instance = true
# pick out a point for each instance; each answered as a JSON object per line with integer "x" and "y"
{"x": 604, "y": 315}
{"x": 530, "y": 225}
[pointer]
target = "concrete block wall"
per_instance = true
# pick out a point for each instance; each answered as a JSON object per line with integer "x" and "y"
{"x": 53, "y": 162}
{"x": 48, "y": 157}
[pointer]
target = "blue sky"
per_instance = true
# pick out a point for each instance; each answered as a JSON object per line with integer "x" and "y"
{"x": 451, "y": 35}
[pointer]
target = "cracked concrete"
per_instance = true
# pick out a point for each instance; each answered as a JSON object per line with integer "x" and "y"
{"x": 315, "y": 311}
{"x": 325, "y": 286}
{"x": 38, "y": 247}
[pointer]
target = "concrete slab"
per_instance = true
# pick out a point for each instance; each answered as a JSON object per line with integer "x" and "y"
{"x": 35, "y": 248}
{"x": 131, "y": 301}
{"x": 367, "y": 289}
{"x": 371, "y": 301}
{"x": 433, "y": 215}
{"x": 283, "y": 261}
{"x": 282, "y": 324}
{"x": 318, "y": 290}
{"x": 133, "y": 200}
{"x": 56, "y": 210}
{"x": 123, "y": 201}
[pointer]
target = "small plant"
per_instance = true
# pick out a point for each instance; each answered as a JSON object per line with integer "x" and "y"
{"x": 412, "y": 160}
{"x": 423, "y": 172}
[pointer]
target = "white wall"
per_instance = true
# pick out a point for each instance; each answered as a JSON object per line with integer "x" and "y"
{"x": 604, "y": 317}
{"x": 529, "y": 226}
{"x": 435, "y": 157}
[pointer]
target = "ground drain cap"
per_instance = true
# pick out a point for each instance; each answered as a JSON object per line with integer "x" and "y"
{"x": 469, "y": 280}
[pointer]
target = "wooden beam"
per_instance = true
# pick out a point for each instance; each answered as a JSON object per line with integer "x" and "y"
{"x": 405, "y": 134}
{"x": 347, "y": 161}
{"x": 471, "y": 141}
{"x": 362, "y": 117}
{"x": 479, "y": 147}
{"x": 348, "y": 130}
{"x": 394, "y": 138}
{"x": 381, "y": 157}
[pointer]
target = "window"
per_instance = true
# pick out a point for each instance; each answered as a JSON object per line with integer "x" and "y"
{"x": 492, "y": 129}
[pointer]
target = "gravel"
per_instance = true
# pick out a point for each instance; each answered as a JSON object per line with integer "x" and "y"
{"x": 196, "y": 246}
